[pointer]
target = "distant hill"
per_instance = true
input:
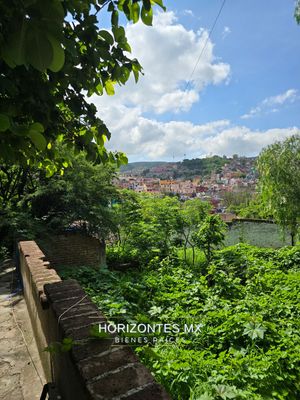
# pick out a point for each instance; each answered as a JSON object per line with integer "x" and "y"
{"x": 187, "y": 169}
{"x": 141, "y": 165}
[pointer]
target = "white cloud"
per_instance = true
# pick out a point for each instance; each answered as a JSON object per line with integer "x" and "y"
{"x": 168, "y": 53}
{"x": 149, "y": 139}
{"x": 188, "y": 12}
{"x": 267, "y": 105}
{"x": 289, "y": 96}
{"x": 226, "y": 32}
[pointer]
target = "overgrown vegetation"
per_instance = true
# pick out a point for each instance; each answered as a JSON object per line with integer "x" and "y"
{"x": 32, "y": 205}
{"x": 247, "y": 307}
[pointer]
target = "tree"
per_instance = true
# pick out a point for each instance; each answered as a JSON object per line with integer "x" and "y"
{"x": 297, "y": 11}
{"x": 83, "y": 195}
{"x": 147, "y": 224}
{"x": 53, "y": 54}
{"x": 127, "y": 212}
{"x": 191, "y": 214}
{"x": 210, "y": 234}
{"x": 255, "y": 209}
{"x": 157, "y": 227}
{"x": 234, "y": 200}
{"x": 279, "y": 169}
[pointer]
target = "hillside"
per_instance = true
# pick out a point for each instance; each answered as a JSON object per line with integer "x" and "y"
{"x": 188, "y": 169}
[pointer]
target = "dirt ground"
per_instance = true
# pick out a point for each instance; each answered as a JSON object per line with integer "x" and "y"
{"x": 21, "y": 374}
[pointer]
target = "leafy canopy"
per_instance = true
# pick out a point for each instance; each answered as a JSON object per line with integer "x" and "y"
{"x": 279, "y": 168}
{"x": 52, "y": 55}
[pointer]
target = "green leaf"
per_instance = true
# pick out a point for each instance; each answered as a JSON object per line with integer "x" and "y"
{"x": 107, "y": 37}
{"x": 254, "y": 331}
{"x": 119, "y": 34}
{"x": 51, "y": 10}
{"x": 67, "y": 344}
{"x": 159, "y": 3}
{"x": 99, "y": 89}
{"x": 135, "y": 12}
{"x": 111, "y": 7}
{"x": 115, "y": 18}
{"x": 147, "y": 4}
{"x": 13, "y": 52}
{"x": 125, "y": 46}
{"x": 109, "y": 87}
{"x": 147, "y": 16}
{"x": 39, "y": 50}
{"x": 135, "y": 71}
{"x": 124, "y": 74}
{"x": 226, "y": 392}
{"x": 36, "y": 126}
{"x": 58, "y": 55}
{"x": 50, "y": 170}
{"x": 205, "y": 396}
{"x": 125, "y": 8}
{"x": 38, "y": 140}
{"x": 123, "y": 158}
{"x": 4, "y": 122}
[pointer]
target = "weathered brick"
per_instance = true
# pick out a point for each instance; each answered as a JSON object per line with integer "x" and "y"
{"x": 148, "y": 392}
{"x": 115, "y": 383}
{"x": 110, "y": 360}
{"x": 88, "y": 347}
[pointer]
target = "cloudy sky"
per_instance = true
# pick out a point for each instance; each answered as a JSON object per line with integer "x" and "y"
{"x": 234, "y": 92}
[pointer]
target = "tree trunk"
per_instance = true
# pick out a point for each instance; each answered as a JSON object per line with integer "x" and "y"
{"x": 293, "y": 238}
{"x": 193, "y": 249}
{"x": 102, "y": 253}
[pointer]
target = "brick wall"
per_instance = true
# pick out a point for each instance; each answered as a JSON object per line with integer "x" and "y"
{"x": 73, "y": 249}
{"x": 36, "y": 272}
{"x": 94, "y": 368}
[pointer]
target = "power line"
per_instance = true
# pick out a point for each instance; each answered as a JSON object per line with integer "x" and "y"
{"x": 205, "y": 44}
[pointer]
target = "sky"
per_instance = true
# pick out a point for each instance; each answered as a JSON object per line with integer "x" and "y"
{"x": 233, "y": 92}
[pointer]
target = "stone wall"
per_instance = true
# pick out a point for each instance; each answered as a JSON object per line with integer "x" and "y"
{"x": 261, "y": 233}
{"x": 93, "y": 368}
{"x": 73, "y": 249}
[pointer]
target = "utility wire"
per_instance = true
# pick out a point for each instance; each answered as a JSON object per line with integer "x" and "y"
{"x": 205, "y": 44}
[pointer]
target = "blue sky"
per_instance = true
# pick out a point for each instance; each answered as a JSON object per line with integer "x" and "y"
{"x": 244, "y": 94}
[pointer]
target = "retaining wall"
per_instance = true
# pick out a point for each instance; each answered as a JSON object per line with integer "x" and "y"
{"x": 73, "y": 249}
{"x": 93, "y": 368}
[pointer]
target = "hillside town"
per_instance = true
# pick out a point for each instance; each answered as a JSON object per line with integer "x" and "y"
{"x": 236, "y": 176}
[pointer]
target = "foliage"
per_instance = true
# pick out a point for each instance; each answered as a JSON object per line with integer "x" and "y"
{"x": 204, "y": 166}
{"x": 255, "y": 208}
{"x": 34, "y": 205}
{"x": 234, "y": 200}
{"x": 297, "y": 11}
{"x": 279, "y": 168}
{"x": 82, "y": 197}
{"x": 210, "y": 234}
{"x": 151, "y": 225}
{"x": 53, "y": 53}
{"x": 4, "y": 253}
{"x": 191, "y": 215}
{"x": 248, "y": 345}
{"x": 146, "y": 224}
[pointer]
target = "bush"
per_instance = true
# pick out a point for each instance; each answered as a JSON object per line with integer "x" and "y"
{"x": 248, "y": 344}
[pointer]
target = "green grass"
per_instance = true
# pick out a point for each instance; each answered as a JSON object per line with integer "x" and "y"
{"x": 199, "y": 257}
